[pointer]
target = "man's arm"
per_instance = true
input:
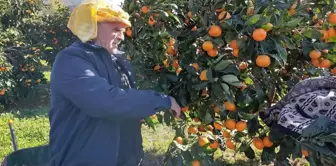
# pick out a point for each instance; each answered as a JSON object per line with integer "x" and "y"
{"x": 77, "y": 80}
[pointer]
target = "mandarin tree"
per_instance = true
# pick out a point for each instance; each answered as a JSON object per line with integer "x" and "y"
{"x": 226, "y": 61}
{"x": 20, "y": 66}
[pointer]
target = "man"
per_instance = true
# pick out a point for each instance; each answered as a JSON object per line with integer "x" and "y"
{"x": 95, "y": 109}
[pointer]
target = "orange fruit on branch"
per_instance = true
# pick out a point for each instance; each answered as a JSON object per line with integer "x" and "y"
{"x": 325, "y": 63}
{"x": 144, "y": 9}
{"x": 234, "y": 45}
{"x": 151, "y": 20}
{"x": 230, "y": 106}
{"x": 267, "y": 142}
{"x": 259, "y": 34}
{"x": 171, "y": 50}
{"x": 305, "y": 153}
{"x": 263, "y": 61}
{"x": 242, "y": 65}
{"x": 185, "y": 109}
{"x": 332, "y": 18}
{"x": 291, "y": 11}
{"x": 215, "y": 31}
{"x": 195, "y": 163}
{"x": 331, "y": 32}
{"x": 315, "y": 62}
{"x": 190, "y": 14}
{"x": 223, "y": 14}
{"x": 229, "y": 144}
{"x": 212, "y": 53}
{"x": 218, "y": 125}
{"x": 195, "y": 66}
{"x": 226, "y": 134}
{"x": 203, "y": 141}
{"x": 230, "y": 124}
{"x": 179, "y": 140}
{"x": 315, "y": 54}
{"x": 258, "y": 143}
{"x": 207, "y": 46}
{"x": 324, "y": 34}
{"x": 192, "y": 130}
{"x": 216, "y": 109}
{"x": 333, "y": 71}
{"x": 157, "y": 67}
{"x": 241, "y": 126}
{"x": 235, "y": 52}
{"x": 214, "y": 145}
{"x": 203, "y": 75}
{"x": 171, "y": 42}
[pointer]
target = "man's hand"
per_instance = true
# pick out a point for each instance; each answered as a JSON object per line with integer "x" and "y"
{"x": 175, "y": 107}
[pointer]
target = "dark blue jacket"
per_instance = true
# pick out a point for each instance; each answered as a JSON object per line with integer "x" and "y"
{"x": 93, "y": 121}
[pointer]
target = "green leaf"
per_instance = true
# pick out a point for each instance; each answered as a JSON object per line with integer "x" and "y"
{"x": 287, "y": 147}
{"x": 267, "y": 155}
{"x": 172, "y": 77}
{"x": 230, "y": 78}
{"x": 248, "y": 81}
{"x": 208, "y": 119}
{"x": 150, "y": 123}
{"x": 252, "y": 20}
{"x": 246, "y": 116}
{"x": 313, "y": 34}
{"x": 175, "y": 18}
{"x": 200, "y": 86}
{"x": 209, "y": 75}
{"x": 320, "y": 45}
{"x": 311, "y": 161}
{"x": 250, "y": 153}
{"x": 48, "y": 48}
{"x": 218, "y": 91}
{"x": 222, "y": 65}
{"x": 226, "y": 88}
{"x": 294, "y": 22}
{"x": 320, "y": 125}
{"x": 298, "y": 151}
{"x": 321, "y": 149}
{"x": 218, "y": 41}
{"x": 186, "y": 155}
{"x": 253, "y": 125}
{"x": 289, "y": 43}
{"x": 167, "y": 118}
{"x": 244, "y": 146}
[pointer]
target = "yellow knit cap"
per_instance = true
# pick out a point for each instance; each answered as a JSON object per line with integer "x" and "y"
{"x": 84, "y": 18}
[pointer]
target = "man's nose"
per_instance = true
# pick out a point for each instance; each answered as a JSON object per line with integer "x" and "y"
{"x": 121, "y": 36}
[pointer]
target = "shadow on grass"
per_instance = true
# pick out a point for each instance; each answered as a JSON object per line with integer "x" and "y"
{"x": 35, "y": 104}
{"x": 153, "y": 158}
{"x": 30, "y": 113}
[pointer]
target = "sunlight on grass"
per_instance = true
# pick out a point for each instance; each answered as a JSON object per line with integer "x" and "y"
{"x": 47, "y": 75}
{"x": 31, "y": 129}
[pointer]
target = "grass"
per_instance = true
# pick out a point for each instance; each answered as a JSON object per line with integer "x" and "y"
{"x": 32, "y": 128}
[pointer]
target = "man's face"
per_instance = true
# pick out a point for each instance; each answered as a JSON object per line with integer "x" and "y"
{"x": 110, "y": 35}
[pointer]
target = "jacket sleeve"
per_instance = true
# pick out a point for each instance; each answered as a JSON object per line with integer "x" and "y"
{"x": 77, "y": 80}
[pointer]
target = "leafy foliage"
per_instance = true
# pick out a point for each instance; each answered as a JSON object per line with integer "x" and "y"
{"x": 28, "y": 35}
{"x": 224, "y": 62}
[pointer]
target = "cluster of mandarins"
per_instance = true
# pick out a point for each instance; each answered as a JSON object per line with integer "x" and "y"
{"x": 316, "y": 56}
